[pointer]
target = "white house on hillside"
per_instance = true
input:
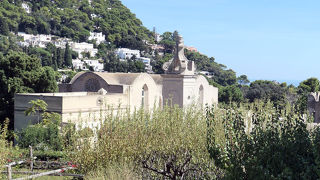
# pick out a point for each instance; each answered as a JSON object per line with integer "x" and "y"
{"x": 97, "y": 66}
{"x": 125, "y": 53}
{"x": 78, "y": 64}
{"x": 85, "y": 64}
{"x": 146, "y": 62}
{"x": 26, "y": 7}
{"x": 99, "y": 37}
{"x": 61, "y": 42}
{"x": 40, "y": 40}
{"x": 84, "y": 47}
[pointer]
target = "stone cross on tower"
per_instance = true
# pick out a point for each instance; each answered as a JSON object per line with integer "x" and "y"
{"x": 179, "y": 64}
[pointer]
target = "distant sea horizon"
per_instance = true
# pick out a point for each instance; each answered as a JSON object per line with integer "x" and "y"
{"x": 293, "y": 82}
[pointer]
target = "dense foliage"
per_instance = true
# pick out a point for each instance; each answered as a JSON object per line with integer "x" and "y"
{"x": 113, "y": 64}
{"x": 170, "y": 143}
{"x": 266, "y": 90}
{"x": 20, "y": 73}
{"x": 262, "y": 142}
{"x": 74, "y": 19}
{"x": 45, "y": 135}
{"x": 4, "y": 145}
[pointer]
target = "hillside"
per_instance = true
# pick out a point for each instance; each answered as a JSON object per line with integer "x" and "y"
{"x": 75, "y": 19}
{"x": 72, "y": 19}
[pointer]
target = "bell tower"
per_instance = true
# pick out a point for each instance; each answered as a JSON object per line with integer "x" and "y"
{"x": 179, "y": 80}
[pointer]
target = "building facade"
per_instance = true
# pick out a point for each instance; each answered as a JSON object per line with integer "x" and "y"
{"x": 125, "y": 53}
{"x": 98, "y": 36}
{"x": 90, "y": 95}
{"x": 84, "y": 48}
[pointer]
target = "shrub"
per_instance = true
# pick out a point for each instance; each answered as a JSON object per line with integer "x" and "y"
{"x": 4, "y": 145}
{"x": 44, "y": 135}
{"x": 168, "y": 142}
{"x": 267, "y": 144}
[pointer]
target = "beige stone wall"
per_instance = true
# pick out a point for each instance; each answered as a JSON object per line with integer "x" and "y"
{"x": 152, "y": 94}
{"x": 189, "y": 90}
{"x": 93, "y": 107}
{"x": 210, "y": 93}
{"x": 79, "y": 108}
{"x": 172, "y": 91}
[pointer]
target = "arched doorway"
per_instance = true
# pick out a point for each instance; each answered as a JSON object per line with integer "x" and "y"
{"x": 145, "y": 97}
{"x": 201, "y": 94}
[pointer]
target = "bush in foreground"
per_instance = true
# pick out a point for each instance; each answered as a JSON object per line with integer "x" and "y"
{"x": 262, "y": 142}
{"x": 169, "y": 143}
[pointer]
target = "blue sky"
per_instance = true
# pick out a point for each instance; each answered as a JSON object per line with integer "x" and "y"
{"x": 264, "y": 39}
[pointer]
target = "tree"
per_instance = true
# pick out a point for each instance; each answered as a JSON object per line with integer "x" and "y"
{"x": 139, "y": 66}
{"x": 230, "y": 94}
{"x": 271, "y": 144}
{"x": 266, "y": 90}
{"x": 309, "y": 85}
{"x": 4, "y": 28}
{"x": 111, "y": 62}
{"x": 43, "y": 54}
{"x": 46, "y": 134}
{"x": 225, "y": 77}
{"x": 132, "y": 42}
{"x": 168, "y": 42}
{"x": 47, "y": 80}
{"x": 37, "y": 106}
{"x": 91, "y": 68}
{"x": 20, "y": 73}
{"x": 243, "y": 80}
{"x": 68, "y": 56}
{"x": 304, "y": 88}
{"x": 60, "y": 57}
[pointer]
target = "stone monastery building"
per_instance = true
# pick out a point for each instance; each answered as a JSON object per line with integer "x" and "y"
{"x": 90, "y": 93}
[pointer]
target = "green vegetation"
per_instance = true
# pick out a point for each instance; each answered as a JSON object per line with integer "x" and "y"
{"x": 74, "y": 19}
{"x": 45, "y": 134}
{"x": 268, "y": 144}
{"x": 171, "y": 139}
{"x": 259, "y": 130}
{"x": 113, "y": 64}
{"x": 5, "y": 147}
{"x": 20, "y": 73}
{"x": 235, "y": 141}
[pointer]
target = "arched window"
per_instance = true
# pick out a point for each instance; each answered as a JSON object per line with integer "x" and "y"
{"x": 145, "y": 97}
{"x": 201, "y": 94}
{"x": 92, "y": 85}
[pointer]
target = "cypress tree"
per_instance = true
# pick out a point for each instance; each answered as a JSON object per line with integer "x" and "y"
{"x": 68, "y": 56}
{"x": 60, "y": 57}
